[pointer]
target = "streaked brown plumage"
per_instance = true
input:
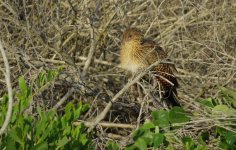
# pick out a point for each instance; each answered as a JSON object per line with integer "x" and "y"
{"x": 138, "y": 53}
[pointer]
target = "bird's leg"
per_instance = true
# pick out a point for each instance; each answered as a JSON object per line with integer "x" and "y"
{"x": 140, "y": 92}
{"x": 133, "y": 88}
{"x": 139, "y": 88}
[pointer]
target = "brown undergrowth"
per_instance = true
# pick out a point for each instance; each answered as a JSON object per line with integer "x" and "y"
{"x": 83, "y": 38}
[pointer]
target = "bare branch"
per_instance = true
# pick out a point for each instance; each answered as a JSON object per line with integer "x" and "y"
{"x": 126, "y": 87}
{"x": 9, "y": 89}
{"x": 106, "y": 124}
{"x": 64, "y": 98}
{"x": 91, "y": 51}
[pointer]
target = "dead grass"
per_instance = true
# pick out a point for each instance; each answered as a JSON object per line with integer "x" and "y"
{"x": 84, "y": 37}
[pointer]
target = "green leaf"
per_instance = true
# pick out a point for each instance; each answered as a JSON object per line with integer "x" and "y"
{"x": 204, "y": 137}
{"x": 13, "y": 134}
{"x": 77, "y": 112}
{"x": 138, "y": 133}
{"x": 51, "y": 75}
{"x": 157, "y": 129}
{"x": 207, "y": 102}
{"x": 188, "y": 143}
{"x": 24, "y": 94}
{"x": 229, "y": 95}
{"x": 68, "y": 110}
{"x": 83, "y": 138}
{"x": 68, "y": 115}
{"x": 141, "y": 144}
{"x": 41, "y": 146}
{"x": 23, "y": 87}
{"x": 78, "y": 130}
{"x": 230, "y": 138}
{"x": 42, "y": 123}
{"x": 63, "y": 121}
{"x": 85, "y": 107}
{"x": 200, "y": 147}
{"x": 161, "y": 118}
{"x": 112, "y": 146}
{"x": 42, "y": 79}
{"x": 15, "y": 113}
{"x": 222, "y": 110}
{"x": 46, "y": 134}
{"x": 62, "y": 142}
{"x": 148, "y": 125}
{"x": 228, "y": 92}
{"x": 158, "y": 139}
{"x": 130, "y": 147}
{"x": 148, "y": 137}
{"x": 11, "y": 145}
{"x": 79, "y": 109}
{"x": 223, "y": 145}
{"x": 177, "y": 115}
{"x": 67, "y": 130}
{"x": 3, "y": 108}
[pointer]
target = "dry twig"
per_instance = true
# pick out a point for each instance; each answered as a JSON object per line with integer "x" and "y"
{"x": 107, "y": 124}
{"x": 108, "y": 106}
{"x": 9, "y": 89}
{"x": 64, "y": 98}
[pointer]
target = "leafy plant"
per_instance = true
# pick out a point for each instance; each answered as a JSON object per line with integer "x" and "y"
{"x": 190, "y": 144}
{"x": 45, "y": 129}
{"x": 152, "y": 134}
{"x": 159, "y": 132}
{"x": 112, "y": 146}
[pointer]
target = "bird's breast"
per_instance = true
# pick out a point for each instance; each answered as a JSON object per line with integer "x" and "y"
{"x": 128, "y": 57}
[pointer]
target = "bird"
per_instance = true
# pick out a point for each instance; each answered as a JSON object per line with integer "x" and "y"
{"x": 138, "y": 53}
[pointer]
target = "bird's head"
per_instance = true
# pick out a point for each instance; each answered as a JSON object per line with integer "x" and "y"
{"x": 132, "y": 34}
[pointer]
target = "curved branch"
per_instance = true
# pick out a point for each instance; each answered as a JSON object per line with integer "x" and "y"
{"x": 115, "y": 98}
{"x": 9, "y": 89}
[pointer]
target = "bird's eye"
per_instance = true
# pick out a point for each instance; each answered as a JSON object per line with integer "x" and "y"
{"x": 130, "y": 36}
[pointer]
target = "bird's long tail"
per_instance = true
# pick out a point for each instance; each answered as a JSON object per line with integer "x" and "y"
{"x": 171, "y": 97}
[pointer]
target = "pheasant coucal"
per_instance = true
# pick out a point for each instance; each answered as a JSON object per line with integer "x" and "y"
{"x": 138, "y": 53}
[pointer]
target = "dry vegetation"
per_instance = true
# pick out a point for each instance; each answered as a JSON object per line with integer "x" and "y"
{"x": 83, "y": 37}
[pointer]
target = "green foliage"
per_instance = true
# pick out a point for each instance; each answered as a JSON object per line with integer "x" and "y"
{"x": 149, "y": 134}
{"x": 207, "y": 102}
{"x": 223, "y": 110}
{"x": 190, "y": 144}
{"x": 229, "y": 95}
{"x": 177, "y": 115}
{"x": 46, "y": 129}
{"x": 112, "y": 146}
{"x": 226, "y": 132}
{"x": 154, "y": 134}
{"x": 161, "y": 118}
{"x": 159, "y": 132}
{"x": 49, "y": 130}
{"x": 158, "y": 139}
{"x": 227, "y": 139}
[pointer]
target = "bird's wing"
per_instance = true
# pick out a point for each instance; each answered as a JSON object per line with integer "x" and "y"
{"x": 163, "y": 55}
{"x": 155, "y": 53}
{"x": 149, "y": 50}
